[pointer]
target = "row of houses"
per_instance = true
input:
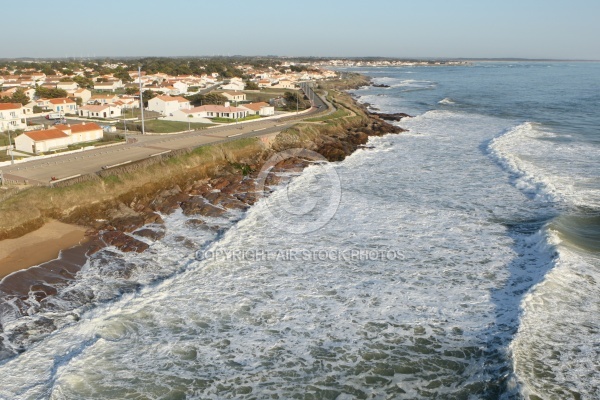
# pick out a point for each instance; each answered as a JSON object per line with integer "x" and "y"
{"x": 180, "y": 109}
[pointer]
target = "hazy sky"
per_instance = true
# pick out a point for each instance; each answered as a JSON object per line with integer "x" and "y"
{"x": 567, "y": 29}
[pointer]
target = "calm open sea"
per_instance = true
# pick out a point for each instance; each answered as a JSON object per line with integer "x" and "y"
{"x": 460, "y": 260}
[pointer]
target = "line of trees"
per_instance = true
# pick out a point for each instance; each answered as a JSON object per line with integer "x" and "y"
{"x": 18, "y": 97}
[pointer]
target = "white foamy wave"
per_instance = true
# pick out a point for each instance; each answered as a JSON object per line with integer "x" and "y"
{"x": 447, "y": 101}
{"x": 550, "y": 167}
{"x": 407, "y": 84}
{"x": 420, "y": 290}
{"x": 555, "y": 352}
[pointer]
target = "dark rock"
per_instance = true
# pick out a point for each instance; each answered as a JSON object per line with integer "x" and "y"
{"x": 197, "y": 205}
{"x": 382, "y": 85}
{"x": 150, "y": 233}
{"x": 123, "y": 242}
{"x": 390, "y": 117}
{"x": 168, "y": 201}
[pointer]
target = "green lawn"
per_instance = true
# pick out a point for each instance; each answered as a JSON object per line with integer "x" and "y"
{"x": 161, "y": 126}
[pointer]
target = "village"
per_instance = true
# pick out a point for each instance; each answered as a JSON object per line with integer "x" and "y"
{"x": 95, "y": 104}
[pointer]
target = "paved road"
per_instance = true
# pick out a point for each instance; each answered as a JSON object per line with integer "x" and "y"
{"x": 91, "y": 161}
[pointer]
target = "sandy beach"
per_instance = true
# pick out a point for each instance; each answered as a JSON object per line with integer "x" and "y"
{"x": 38, "y": 246}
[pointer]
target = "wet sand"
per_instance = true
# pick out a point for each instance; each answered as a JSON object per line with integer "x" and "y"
{"x": 39, "y": 246}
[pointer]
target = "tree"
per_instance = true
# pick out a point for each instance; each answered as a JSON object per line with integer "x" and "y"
{"x": 123, "y": 75}
{"x": 131, "y": 90}
{"x": 83, "y": 82}
{"x": 147, "y": 96}
{"x": 210, "y": 98}
{"x": 20, "y": 97}
{"x": 49, "y": 93}
{"x": 251, "y": 86}
{"x": 295, "y": 99}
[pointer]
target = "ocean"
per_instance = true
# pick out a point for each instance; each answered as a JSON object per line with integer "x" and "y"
{"x": 460, "y": 259}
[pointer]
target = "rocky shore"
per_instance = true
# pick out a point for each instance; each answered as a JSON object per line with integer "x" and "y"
{"x": 140, "y": 213}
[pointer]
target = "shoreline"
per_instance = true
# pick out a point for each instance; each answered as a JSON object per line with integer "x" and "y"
{"x": 207, "y": 183}
{"x": 38, "y": 247}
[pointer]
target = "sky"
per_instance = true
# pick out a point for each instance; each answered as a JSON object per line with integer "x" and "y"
{"x": 557, "y": 29}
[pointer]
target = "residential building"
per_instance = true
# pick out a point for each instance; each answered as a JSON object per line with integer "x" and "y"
{"x": 84, "y": 94}
{"x": 166, "y": 105}
{"x": 108, "y": 86}
{"x": 234, "y": 84}
{"x": 211, "y": 111}
{"x": 235, "y": 96}
{"x": 63, "y": 105}
{"x": 100, "y": 111}
{"x": 68, "y": 86}
{"x": 263, "y": 109}
{"x": 285, "y": 84}
{"x": 12, "y": 116}
{"x": 58, "y": 137}
{"x": 102, "y": 99}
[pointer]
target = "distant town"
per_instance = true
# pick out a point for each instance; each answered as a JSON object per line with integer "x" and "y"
{"x": 60, "y": 105}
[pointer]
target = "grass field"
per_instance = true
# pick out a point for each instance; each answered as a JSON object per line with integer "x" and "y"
{"x": 161, "y": 126}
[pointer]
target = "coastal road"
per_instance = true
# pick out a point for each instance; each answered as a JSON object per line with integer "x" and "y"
{"x": 91, "y": 161}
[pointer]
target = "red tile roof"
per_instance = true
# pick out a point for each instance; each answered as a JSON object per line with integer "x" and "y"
{"x": 171, "y": 98}
{"x": 47, "y": 134}
{"x": 10, "y": 106}
{"x": 85, "y": 127}
{"x": 61, "y": 101}
{"x": 256, "y": 106}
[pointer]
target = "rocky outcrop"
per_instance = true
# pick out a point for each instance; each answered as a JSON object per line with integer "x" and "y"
{"x": 390, "y": 117}
{"x": 123, "y": 242}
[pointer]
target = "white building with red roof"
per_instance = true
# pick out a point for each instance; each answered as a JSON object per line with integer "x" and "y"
{"x": 62, "y": 105}
{"x": 100, "y": 111}
{"x": 12, "y": 116}
{"x": 210, "y": 111}
{"x": 261, "y": 108}
{"x": 58, "y": 137}
{"x": 167, "y": 105}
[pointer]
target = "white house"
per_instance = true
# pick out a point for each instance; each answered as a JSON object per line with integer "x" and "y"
{"x": 263, "y": 109}
{"x": 63, "y": 105}
{"x": 12, "y": 116}
{"x": 285, "y": 84}
{"x": 264, "y": 83}
{"x": 182, "y": 87}
{"x": 42, "y": 141}
{"x": 103, "y": 99}
{"x": 109, "y": 86}
{"x": 211, "y": 111}
{"x": 100, "y": 111}
{"x": 235, "y": 96}
{"x": 68, "y": 86}
{"x": 166, "y": 105}
{"x": 58, "y": 137}
{"x": 234, "y": 84}
{"x": 84, "y": 94}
